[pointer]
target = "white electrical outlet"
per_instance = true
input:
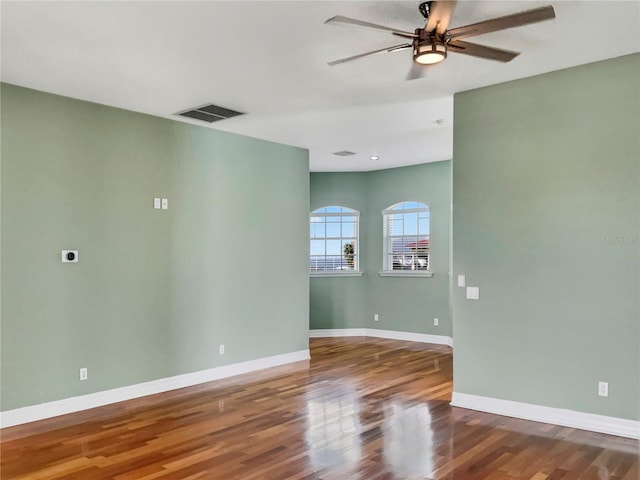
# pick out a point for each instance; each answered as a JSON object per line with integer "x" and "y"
{"x": 375, "y": 317}
{"x": 461, "y": 280}
{"x": 603, "y": 389}
{"x": 156, "y": 203}
{"x": 436, "y": 322}
{"x": 165, "y": 204}
{"x": 84, "y": 374}
{"x": 221, "y": 350}
{"x": 473, "y": 293}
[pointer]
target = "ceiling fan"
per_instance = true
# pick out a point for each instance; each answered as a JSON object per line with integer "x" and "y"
{"x": 431, "y": 43}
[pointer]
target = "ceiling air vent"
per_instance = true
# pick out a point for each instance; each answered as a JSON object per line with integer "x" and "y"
{"x": 344, "y": 153}
{"x": 209, "y": 113}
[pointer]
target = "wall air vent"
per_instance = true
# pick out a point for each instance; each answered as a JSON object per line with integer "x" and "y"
{"x": 344, "y": 153}
{"x": 209, "y": 113}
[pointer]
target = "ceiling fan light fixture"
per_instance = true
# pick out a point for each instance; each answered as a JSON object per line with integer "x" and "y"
{"x": 428, "y": 53}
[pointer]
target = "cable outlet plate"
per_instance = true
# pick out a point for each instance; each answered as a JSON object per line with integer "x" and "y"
{"x": 69, "y": 256}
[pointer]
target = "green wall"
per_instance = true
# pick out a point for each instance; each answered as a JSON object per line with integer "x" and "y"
{"x": 339, "y": 302}
{"x": 546, "y": 223}
{"x": 154, "y": 292}
{"x": 403, "y": 304}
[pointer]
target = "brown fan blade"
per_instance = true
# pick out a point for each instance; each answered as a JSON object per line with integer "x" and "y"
{"x": 395, "y": 48}
{"x": 475, "y": 50}
{"x": 362, "y": 23}
{"x": 416, "y": 71}
{"x": 440, "y": 15}
{"x": 502, "y": 23}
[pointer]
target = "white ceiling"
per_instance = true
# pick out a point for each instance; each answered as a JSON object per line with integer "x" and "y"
{"x": 269, "y": 58}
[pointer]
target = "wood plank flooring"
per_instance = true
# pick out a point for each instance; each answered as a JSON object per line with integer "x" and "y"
{"x": 362, "y": 408}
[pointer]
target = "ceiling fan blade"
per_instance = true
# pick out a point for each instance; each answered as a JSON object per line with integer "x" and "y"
{"x": 362, "y": 23}
{"x": 475, "y": 50}
{"x": 416, "y": 71}
{"x": 440, "y": 15}
{"x": 395, "y": 48}
{"x": 502, "y": 23}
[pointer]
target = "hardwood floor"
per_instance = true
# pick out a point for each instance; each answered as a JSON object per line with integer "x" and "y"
{"x": 362, "y": 408}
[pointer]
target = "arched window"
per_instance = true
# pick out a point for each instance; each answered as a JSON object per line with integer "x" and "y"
{"x": 334, "y": 240}
{"x": 406, "y": 237}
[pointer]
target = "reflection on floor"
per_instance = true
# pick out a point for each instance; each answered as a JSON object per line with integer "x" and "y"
{"x": 408, "y": 441}
{"x": 361, "y": 409}
{"x": 333, "y": 431}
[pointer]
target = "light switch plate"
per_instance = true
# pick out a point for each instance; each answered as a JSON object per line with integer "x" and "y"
{"x": 156, "y": 203}
{"x": 165, "y": 204}
{"x": 473, "y": 293}
{"x": 461, "y": 280}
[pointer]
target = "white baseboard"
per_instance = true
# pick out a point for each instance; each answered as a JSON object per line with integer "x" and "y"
{"x": 41, "y": 411}
{"x": 556, "y": 416}
{"x": 390, "y": 334}
{"x": 338, "y": 332}
{"x": 410, "y": 337}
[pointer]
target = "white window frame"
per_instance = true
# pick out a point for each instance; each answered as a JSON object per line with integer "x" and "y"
{"x": 387, "y": 242}
{"x": 336, "y": 272}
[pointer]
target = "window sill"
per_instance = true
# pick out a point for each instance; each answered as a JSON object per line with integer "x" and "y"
{"x": 407, "y": 273}
{"x": 335, "y": 274}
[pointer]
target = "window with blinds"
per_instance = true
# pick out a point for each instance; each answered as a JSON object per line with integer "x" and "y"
{"x": 406, "y": 237}
{"x": 334, "y": 240}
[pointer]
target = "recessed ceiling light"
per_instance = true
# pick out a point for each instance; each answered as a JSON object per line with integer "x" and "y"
{"x": 374, "y": 157}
